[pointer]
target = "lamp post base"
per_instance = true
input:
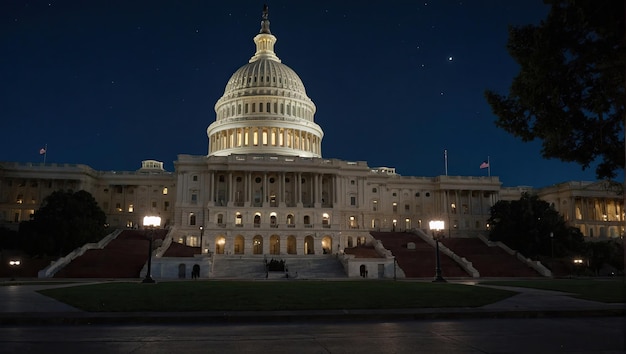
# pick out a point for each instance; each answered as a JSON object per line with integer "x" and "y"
{"x": 439, "y": 279}
{"x": 148, "y": 280}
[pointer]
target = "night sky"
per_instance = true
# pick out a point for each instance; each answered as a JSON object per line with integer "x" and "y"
{"x": 110, "y": 83}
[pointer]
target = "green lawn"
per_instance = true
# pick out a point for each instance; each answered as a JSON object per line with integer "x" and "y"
{"x": 272, "y": 295}
{"x": 602, "y": 290}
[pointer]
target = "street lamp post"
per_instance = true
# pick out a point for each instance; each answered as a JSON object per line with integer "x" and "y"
{"x": 552, "y": 251}
{"x": 394, "y": 268}
{"x": 201, "y": 234}
{"x": 14, "y": 264}
{"x": 435, "y": 227}
{"x": 150, "y": 223}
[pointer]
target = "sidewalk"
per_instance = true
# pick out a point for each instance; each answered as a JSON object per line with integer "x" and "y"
{"x": 22, "y": 305}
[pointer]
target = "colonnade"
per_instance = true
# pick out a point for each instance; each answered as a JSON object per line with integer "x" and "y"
{"x": 272, "y": 189}
{"x": 265, "y": 136}
{"x": 598, "y": 209}
{"x": 274, "y": 244}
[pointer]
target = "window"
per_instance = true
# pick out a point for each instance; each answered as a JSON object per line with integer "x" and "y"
{"x": 394, "y": 206}
{"x": 194, "y": 178}
{"x": 375, "y": 205}
{"x": 166, "y": 205}
{"x": 352, "y": 182}
{"x": 417, "y": 194}
{"x": 394, "y": 194}
{"x": 453, "y": 208}
{"x": 428, "y": 194}
{"x": 192, "y": 219}
{"x": 118, "y": 207}
{"x": 194, "y": 198}
{"x": 374, "y": 190}
{"x": 407, "y": 207}
{"x": 154, "y": 204}
{"x": 352, "y": 200}
{"x": 131, "y": 208}
{"x": 164, "y": 190}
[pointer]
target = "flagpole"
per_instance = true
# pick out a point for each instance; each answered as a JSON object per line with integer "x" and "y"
{"x": 45, "y": 154}
{"x": 488, "y": 167}
{"x": 445, "y": 159}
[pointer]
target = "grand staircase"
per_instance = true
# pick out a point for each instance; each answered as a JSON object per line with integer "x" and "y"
{"x": 419, "y": 262}
{"x": 253, "y": 267}
{"x": 123, "y": 257}
{"x": 490, "y": 261}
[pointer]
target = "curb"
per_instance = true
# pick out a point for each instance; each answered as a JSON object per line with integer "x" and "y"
{"x": 82, "y": 318}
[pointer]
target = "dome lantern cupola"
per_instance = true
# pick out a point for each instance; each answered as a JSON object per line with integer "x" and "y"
{"x": 265, "y": 108}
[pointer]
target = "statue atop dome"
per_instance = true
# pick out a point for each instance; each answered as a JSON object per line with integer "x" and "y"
{"x": 265, "y": 22}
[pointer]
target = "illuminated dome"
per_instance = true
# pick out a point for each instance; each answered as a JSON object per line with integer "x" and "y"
{"x": 265, "y": 108}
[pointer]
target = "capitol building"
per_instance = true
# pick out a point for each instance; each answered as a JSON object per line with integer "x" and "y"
{"x": 264, "y": 189}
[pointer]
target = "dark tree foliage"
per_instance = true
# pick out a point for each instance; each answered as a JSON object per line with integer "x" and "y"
{"x": 526, "y": 225}
{"x": 570, "y": 92}
{"x": 65, "y": 221}
{"x": 603, "y": 253}
{"x": 8, "y": 239}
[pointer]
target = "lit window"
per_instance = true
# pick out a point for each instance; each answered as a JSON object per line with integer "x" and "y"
{"x": 164, "y": 190}
{"x": 131, "y": 208}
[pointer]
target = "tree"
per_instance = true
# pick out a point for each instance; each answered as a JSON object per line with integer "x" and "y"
{"x": 65, "y": 221}
{"x": 534, "y": 228}
{"x": 570, "y": 91}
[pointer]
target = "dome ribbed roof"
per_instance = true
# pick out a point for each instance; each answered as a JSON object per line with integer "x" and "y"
{"x": 263, "y": 73}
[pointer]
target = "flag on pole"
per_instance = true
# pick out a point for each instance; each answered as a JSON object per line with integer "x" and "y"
{"x": 42, "y": 151}
{"x": 485, "y": 164}
{"x": 445, "y": 159}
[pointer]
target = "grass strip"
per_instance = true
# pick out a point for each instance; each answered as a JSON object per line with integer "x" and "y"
{"x": 272, "y": 295}
{"x": 601, "y": 290}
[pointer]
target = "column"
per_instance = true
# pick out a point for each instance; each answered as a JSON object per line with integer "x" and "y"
{"x": 317, "y": 200}
{"x": 298, "y": 189}
{"x": 264, "y": 195}
{"x": 281, "y": 190}
{"x": 211, "y": 188}
{"x": 248, "y": 181}
{"x": 229, "y": 189}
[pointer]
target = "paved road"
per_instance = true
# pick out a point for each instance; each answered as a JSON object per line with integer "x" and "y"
{"x": 551, "y": 335}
